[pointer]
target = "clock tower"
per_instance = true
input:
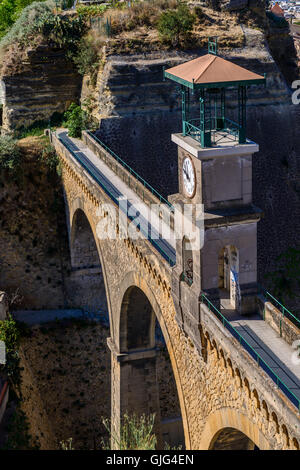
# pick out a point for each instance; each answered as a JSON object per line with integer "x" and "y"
{"x": 215, "y": 171}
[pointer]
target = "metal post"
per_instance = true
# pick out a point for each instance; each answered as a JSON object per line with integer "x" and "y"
{"x": 223, "y": 107}
{"x": 205, "y": 116}
{"x": 202, "y": 117}
{"x": 242, "y": 113}
{"x": 183, "y": 102}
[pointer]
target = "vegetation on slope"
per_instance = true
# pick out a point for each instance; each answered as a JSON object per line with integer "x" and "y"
{"x": 39, "y": 19}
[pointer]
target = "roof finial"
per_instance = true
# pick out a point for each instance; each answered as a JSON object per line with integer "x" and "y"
{"x": 213, "y": 45}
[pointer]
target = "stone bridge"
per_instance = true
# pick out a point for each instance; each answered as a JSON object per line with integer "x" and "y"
{"x": 235, "y": 379}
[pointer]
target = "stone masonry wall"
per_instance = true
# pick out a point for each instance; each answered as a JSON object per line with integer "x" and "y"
{"x": 213, "y": 389}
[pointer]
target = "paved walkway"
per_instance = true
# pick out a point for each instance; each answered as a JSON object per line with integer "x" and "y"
{"x": 267, "y": 343}
{"x": 116, "y": 188}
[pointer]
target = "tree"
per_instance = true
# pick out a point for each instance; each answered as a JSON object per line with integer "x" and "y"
{"x": 76, "y": 120}
{"x": 175, "y": 25}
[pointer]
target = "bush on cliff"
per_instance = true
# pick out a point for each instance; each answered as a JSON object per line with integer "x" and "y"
{"x": 9, "y": 12}
{"x": 10, "y": 156}
{"x": 174, "y": 26}
{"x": 10, "y": 335}
{"x": 26, "y": 22}
{"x": 76, "y": 120}
{"x": 39, "y": 18}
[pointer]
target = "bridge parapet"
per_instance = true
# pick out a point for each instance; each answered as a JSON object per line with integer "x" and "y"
{"x": 280, "y": 319}
{"x": 135, "y": 182}
{"x": 269, "y": 406}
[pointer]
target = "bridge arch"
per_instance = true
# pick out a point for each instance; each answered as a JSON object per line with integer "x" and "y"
{"x": 87, "y": 260}
{"x": 135, "y": 342}
{"x": 227, "y": 424}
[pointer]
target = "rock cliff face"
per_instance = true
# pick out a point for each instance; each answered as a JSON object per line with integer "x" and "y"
{"x": 283, "y": 47}
{"x": 42, "y": 82}
{"x": 295, "y": 31}
{"x": 66, "y": 384}
{"x": 146, "y": 110}
{"x": 33, "y": 236}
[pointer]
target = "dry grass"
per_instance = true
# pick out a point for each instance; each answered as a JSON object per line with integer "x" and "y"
{"x": 221, "y": 24}
{"x": 139, "y": 14}
{"x": 134, "y": 30}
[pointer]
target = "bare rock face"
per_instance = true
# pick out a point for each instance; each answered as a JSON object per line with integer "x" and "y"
{"x": 41, "y": 82}
{"x": 232, "y": 5}
{"x": 3, "y": 305}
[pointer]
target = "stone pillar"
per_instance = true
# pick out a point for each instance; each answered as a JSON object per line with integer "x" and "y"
{"x": 3, "y": 305}
{"x": 134, "y": 388}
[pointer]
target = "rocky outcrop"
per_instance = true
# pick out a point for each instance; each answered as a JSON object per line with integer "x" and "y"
{"x": 33, "y": 234}
{"x": 283, "y": 49}
{"x": 36, "y": 86}
{"x": 295, "y": 31}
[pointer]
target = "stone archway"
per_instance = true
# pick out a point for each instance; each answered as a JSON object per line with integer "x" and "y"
{"x": 231, "y": 439}
{"x": 227, "y": 427}
{"x": 86, "y": 281}
{"x": 135, "y": 387}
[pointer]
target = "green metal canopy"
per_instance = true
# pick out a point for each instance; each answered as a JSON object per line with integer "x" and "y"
{"x": 209, "y": 76}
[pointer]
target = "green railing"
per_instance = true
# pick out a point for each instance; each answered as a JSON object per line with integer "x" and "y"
{"x": 114, "y": 198}
{"x": 258, "y": 359}
{"x": 285, "y": 312}
{"x": 192, "y": 127}
{"x": 131, "y": 171}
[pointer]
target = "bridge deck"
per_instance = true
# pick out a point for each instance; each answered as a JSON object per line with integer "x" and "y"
{"x": 272, "y": 349}
{"x": 117, "y": 189}
{"x": 267, "y": 343}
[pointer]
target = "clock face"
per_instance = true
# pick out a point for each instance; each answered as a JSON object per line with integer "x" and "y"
{"x": 189, "y": 178}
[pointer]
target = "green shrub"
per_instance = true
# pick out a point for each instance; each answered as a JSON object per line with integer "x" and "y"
{"x": 26, "y": 23}
{"x": 10, "y": 156}
{"x": 87, "y": 59}
{"x": 175, "y": 25}
{"x": 10, "y": 10}
{"x": 38, "y": 18}
{"x": 50, "y": 158}
{"x": 136, "y": 433}
{"x": 76, "y": 120}
{"x": 10, "y": 334}
{"x": 91, "y": 11}
{"x": 35, "y": 129}
{"x": 63, "y": 30}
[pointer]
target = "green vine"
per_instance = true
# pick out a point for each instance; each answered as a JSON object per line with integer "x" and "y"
{"x": 10, "y": 335}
